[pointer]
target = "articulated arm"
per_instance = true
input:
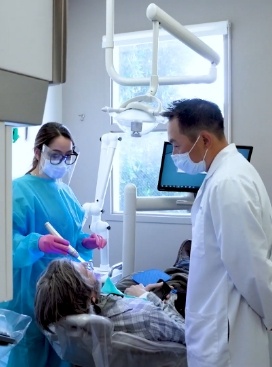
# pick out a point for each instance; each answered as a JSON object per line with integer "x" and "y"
{"x": 108, "y": 145}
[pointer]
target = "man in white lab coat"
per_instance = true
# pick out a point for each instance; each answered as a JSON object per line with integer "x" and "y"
{"x": 228, "y": 314}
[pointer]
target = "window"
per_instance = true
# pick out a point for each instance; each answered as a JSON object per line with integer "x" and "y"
{"x": 22, "y": 151}
{"x": 137, "y": 160}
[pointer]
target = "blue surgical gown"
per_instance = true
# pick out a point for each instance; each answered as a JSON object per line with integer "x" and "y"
{"x": 36, "y": 201}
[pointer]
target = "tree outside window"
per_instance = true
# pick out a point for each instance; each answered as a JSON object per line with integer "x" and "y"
{"x": 137, "y": 160}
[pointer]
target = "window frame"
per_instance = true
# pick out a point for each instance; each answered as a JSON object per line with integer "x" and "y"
{"x": 218, "y": 28}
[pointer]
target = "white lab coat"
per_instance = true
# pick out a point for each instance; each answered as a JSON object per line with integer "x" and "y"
{"x": 229, "y": 295}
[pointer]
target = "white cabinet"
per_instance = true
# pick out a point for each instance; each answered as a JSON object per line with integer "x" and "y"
{"x": 26, "y": 37}
{"x": 32, "y": 56}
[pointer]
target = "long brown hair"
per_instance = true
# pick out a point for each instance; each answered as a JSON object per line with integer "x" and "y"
{"x": 61, "y": 291}
{"x": 46, "y": 134}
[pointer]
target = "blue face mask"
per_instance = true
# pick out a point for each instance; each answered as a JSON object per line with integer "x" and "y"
{"x": 54, "y": 171}
{"x": 184, "y": 163}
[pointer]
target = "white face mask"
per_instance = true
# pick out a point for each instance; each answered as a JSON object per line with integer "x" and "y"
{"x": 54, "y": 171}
{"x": 183, "y": 162}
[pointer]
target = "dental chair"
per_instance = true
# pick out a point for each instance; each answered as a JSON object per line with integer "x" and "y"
{"x": 89, "y": 341}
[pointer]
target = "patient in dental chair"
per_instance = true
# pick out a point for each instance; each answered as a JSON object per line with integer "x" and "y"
{"x": 177, "y": 277}
{"x": 69, "y": 288}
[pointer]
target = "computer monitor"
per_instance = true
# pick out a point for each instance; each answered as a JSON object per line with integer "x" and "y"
{"x": 172, "y": 180}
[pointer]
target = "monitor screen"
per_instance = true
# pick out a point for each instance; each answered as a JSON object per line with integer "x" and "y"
{"x": 172, "y": 180}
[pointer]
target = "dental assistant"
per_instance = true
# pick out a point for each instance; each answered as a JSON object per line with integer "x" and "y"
{"x": 228, "y": 314}
{"x": 41, "y": 196}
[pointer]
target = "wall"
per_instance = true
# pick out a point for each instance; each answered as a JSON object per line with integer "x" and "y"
{"x": 87, "y": 90}
{"x": 22, "y": 149}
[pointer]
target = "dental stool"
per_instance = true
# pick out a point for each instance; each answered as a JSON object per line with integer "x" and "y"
{"x": 89, "y": 341}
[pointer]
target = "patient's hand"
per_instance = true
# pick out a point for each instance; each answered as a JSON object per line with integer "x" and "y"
{"x": 135, "y": 290}
{"x": 138, "y": 289}
{"x": 156, "y": 287}
{"x": 151, "y": 287}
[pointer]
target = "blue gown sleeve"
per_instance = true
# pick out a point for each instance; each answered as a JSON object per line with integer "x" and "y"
{"x": 25, "y": 244}
{"x": 35, "y": 202}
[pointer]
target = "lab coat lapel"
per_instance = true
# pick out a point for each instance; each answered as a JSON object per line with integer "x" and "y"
{"x": 214, "y": 166}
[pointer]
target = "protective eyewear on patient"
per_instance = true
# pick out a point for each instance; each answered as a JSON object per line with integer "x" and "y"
{"x": 57, "y": 157}
{"x": 88, "y": 265}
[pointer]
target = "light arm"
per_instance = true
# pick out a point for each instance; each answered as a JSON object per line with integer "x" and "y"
{"x": 155, "y": 14}
{"x": 132, "y": 204}
{"x": 138, "y": 115}
{"x": 109, "y": 143}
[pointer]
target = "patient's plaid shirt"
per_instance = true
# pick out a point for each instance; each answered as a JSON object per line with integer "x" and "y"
{"x": 149, "y": 318}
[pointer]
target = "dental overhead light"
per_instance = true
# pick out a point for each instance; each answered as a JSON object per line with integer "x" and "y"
{"x": 142, "y": 114}
{"x": 138, "y": 116}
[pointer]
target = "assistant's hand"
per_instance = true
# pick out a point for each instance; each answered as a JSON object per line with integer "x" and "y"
{"x": 94, "y": 241}
{"x": 53, "y": 244}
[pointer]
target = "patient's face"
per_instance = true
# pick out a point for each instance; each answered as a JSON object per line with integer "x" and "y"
{"x": 83, "y": 269}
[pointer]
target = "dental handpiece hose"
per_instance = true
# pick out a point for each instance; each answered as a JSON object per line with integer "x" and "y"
{"x": 71, "y": 250}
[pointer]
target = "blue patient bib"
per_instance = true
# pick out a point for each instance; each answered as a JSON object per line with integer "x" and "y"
{"x": 150, "y": 276}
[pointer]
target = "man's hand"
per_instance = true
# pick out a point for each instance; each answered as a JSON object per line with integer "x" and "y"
{"x": 136, "y": 290}
{"x": 152, "y": 287}
{"x": 162, "y": 290}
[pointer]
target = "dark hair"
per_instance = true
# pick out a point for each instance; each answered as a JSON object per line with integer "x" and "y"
{"x": 46, "y": 134}
{"x": 61, "y": 291}
{"x": 195, "y": 115}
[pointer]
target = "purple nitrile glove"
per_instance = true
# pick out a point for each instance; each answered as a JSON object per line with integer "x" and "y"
{"x": 53, "y": 244}
{"x": 95, "y": 241}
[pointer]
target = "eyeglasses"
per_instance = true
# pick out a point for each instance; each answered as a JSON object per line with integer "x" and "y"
{"x": 57, "y": 158}
{"x": 88, "y": 265}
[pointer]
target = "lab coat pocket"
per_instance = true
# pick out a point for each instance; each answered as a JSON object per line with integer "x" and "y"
{"x": 201, "y": 336}
{"x": 198, "y": 235}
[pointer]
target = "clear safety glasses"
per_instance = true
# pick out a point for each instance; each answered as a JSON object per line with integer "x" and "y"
{"x": 57, "y": 157}
{"x": 88, "y": 265}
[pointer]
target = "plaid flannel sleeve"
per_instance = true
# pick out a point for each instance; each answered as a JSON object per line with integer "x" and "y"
{"x": 151, "y": 319}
